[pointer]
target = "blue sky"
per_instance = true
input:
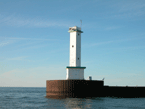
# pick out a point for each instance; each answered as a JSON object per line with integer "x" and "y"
{"x": 34, "y": 40}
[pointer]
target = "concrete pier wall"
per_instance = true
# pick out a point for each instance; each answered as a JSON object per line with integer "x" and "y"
{"x": 87, "y": 88}
{"x": 72, "y": 88}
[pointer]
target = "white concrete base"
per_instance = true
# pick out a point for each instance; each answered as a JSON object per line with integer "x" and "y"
{"x": 75, "y": 73}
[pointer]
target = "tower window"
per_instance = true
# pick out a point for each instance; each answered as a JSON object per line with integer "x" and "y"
{"x": 78, "y": 58}
{"x": 72, "y": 45}
{"x": 78, "y": 34}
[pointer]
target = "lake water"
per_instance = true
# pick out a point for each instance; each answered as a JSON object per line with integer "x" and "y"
{"x": 34, "y": 98}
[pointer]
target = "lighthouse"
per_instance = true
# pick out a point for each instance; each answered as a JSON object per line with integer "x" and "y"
{"x": 74, "y": 70}
{"x": 75, "y": 85}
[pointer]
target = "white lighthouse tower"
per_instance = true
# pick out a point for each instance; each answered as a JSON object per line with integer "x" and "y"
{"x": 74, "y": 70}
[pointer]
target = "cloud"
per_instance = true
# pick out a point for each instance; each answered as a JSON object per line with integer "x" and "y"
{"x": 131, "y": 6}
{"x": 15, "y": 38}
{"x": 32, "y": 77}
{"x": 101, "y": 43}
{"x": 16, "y": 59}
{"x": 4, "y": 41}
{"x": 131, "y": 48}
{"x": 21, "y": 38}
{"x": 31, "y": 22}
{"x": 124, "y": 10}
{"x": 4, "y": 44}
{"x": 25, "y": 42}
{"x": 113, "y": 41}
{"x": 22, "y": 58}
{"x": 129, "y": 9}
{"x": 112, "y": 27}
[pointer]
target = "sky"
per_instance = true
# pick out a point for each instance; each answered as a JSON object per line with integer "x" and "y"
{"x": 34, "y": 41}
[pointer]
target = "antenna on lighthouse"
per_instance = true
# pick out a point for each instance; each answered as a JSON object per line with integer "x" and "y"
{"x": 81, "y": 23}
